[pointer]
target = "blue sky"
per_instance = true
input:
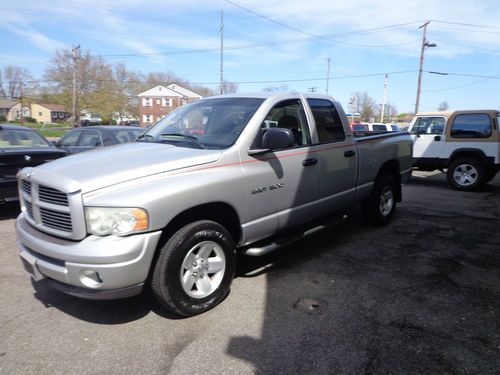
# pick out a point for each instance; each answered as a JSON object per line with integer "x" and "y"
{"x": 277, "y": 43}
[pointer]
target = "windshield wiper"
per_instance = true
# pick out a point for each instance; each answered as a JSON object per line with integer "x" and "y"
{"x": 190, "y": 138}
{"x": 147, "y": 137}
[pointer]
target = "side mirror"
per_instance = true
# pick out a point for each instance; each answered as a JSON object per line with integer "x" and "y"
{"x": 275, "y": 139}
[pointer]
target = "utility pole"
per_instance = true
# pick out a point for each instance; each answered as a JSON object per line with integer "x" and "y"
{"x": 424, "y": 45}
{"x": 313, "y": 89}
{"x": 383, "y": 99}
{"x": 328, "y": 76}
{"x": 75, "y": 51}
{"x": 21, "y": 116}
{"x": 221, "y": 52}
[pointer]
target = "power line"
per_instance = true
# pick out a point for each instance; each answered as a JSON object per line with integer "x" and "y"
{"x": 308, "y": 33}
{"x": 243, "y": 82}
{"x": 467, "y": 46}
{"x": 466, "y": 24}
{"x": 497, "y": 76}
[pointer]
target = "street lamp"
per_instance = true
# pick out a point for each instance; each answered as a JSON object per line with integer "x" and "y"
{"x": 425, "y": 44}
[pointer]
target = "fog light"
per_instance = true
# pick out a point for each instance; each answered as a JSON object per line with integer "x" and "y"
{"x": 90, "y": 278}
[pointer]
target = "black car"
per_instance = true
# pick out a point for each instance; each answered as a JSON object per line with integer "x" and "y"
{"x": 91, "y": 137}
{"x": 21, "y": 147}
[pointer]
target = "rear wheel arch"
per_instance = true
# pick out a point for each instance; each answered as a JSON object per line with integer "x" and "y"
{"x": 472, "y": 153}
{"x": 391, "y": 168}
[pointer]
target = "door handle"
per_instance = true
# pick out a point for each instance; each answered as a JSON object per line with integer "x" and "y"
{"x": 349, "y": 153}
{"x": 308, "y": 162}
{"x": 437, "y": 138}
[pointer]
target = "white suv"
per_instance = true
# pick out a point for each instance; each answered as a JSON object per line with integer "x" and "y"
{"x": 465, "y": 143}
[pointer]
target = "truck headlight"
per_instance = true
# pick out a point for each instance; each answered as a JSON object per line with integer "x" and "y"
{"x": 102, "y": 221}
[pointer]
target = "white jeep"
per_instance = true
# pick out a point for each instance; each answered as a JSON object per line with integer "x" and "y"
{"x": 465, "y": 143}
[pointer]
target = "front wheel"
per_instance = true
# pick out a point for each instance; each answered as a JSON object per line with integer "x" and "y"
{"x": 380, "y": 206}
{"x": 195, "y": 268}
{"x": 465, "y": 174}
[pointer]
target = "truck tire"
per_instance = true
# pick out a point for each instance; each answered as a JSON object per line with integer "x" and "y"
{"x": 380, "y": 206}
{"x": 195, "y": 268}
{"x": 465, "y": 174}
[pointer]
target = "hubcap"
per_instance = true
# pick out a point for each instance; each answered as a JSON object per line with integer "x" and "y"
{"x": 203, "y": 269}
{"x": 465, "y": 174}
{"x": 386, "y": 201}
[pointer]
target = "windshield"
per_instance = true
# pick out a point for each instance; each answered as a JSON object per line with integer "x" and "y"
{"x": 210, "y": 123}
{"x": 21, "y": 138}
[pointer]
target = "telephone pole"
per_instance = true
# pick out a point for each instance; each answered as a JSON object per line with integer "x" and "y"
{"x": 328, "y": 76}
{"x": 21, "y": 116}
{"x": 383, "y": 99}
{"x": 75, "y": 51}
{"x": 425, "y": 45}
{"x": 221, "y": 52}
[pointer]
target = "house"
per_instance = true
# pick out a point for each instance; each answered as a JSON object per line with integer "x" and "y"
{"x": 49, "y": 113}
{"x": 156, "y": 103}
{"x": 12, "y": 110}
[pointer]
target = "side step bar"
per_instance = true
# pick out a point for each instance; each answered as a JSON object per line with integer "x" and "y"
{"x": 267, "y": 248}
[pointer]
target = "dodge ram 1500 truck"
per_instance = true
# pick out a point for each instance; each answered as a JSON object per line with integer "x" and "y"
{"x": 221, "y": 175}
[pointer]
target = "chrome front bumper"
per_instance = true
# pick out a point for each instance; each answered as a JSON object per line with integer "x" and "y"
{"x": 107, "y": 267}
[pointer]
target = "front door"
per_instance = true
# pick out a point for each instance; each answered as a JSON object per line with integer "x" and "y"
{"x": 428, "y": 137}
{"x": 282, "y": 183}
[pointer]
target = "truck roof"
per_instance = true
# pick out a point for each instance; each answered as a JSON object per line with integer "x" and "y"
{"x": 492, "y": 112}
{"x": 266, "y": 95}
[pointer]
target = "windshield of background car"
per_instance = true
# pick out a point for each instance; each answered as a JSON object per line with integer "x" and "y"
{"x": 21, "y": 138}
{"x": 212, "y": 123}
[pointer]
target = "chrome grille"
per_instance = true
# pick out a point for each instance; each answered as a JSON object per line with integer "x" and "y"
{"x": 53, "y": 196}
{"x": 56, "y": 220}
{"x": 26, "y": 186}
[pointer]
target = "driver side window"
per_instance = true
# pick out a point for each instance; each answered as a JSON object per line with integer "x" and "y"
{"x": 288, "y": 114}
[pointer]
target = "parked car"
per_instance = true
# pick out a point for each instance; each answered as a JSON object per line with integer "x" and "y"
{"x": 464, "y": 143}
{"x": 91, "y": 137}
{"x": 172, "y": 210}
{"x": 90, "y": 119}
{"x": 21, "y": 147}
{"x": 380, "y": 127}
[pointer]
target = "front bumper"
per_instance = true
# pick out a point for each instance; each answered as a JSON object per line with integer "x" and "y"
{"x": 107, "y": 267}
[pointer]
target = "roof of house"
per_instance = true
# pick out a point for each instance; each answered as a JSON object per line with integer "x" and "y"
{"x": 53, "y": 107}
{"x": 184, "y": 91}
{"x": 160, "y": 91}
{"x": 7, "y": 103}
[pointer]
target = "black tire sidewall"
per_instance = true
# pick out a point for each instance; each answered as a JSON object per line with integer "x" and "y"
{"x": 166, "y": 282}
{"x": 476, "y": 164}
{"x": 371, "y": 206}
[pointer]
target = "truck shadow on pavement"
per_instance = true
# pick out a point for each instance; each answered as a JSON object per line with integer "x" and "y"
{"x": 417, "y": 296}
{"x": 100, "y": 312}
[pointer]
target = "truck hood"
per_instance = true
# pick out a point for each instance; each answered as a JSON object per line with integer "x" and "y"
{"x": 96, "y": 169}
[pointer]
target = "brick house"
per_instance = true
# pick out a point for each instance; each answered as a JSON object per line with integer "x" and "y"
{"x": 156, "y": 103}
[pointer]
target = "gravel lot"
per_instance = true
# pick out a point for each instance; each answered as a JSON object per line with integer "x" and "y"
{"x": 418, "y": 296}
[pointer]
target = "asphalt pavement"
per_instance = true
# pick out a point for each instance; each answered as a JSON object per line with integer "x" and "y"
{"x": 420, "y": 295}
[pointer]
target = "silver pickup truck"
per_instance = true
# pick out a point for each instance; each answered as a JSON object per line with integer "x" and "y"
{"x": 228, "y": 174}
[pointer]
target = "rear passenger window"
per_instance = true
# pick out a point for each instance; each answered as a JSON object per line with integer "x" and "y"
{"x": 328, "y": 123}
{"x": 379, "y": 127}
{"x": 471, "y": 126}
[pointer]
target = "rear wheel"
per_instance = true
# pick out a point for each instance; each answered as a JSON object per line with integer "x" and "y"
{"x": 195, "y": 268}
{"x": 465, "y": 174}
{"x": 380, "y": 206}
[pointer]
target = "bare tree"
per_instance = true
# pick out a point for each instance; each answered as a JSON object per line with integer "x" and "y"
{"x": 229, "y": 87}
{"x": 13, "y": 80}
{"x": 281, "y": 88}
{"x": 443, "y": 106}
{"x": 362, "y": 103}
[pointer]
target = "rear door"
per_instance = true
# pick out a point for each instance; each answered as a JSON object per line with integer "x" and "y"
{"x": 336, "y": 154}
{"x": 428, "y": 138}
